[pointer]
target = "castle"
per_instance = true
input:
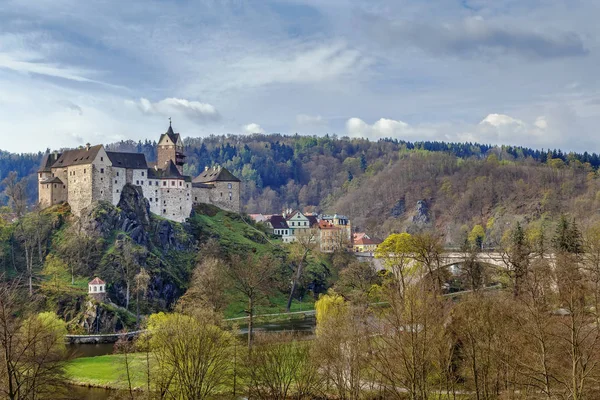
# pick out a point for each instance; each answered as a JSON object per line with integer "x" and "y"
{"x": 90, "y": 174}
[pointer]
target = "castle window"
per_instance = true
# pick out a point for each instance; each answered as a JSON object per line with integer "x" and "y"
{"x": 150, "y": 199}
{"x": 164, "y": 202}
{"x": 137, "y": 182}
{"x": 142, "y": 183}
{"x": 230, "y": 197}
{"x": 221, "y": 194}
{"x": 142, "y": 173}
{"x": 187, "y": 185}
{"x": 117, "y": 173}
{"x": 172, "y": 183}
{"x": 101, "y": 170}
{"x": 156, "y": 199}
{"x": 117, "y": 190}
{"x": 115, "y": 181}
{"x": 102, "y": 192}
{"x": 180, "y": 184}
{"x": 164, "y": 211}
{"x": 229, "y": 186}
{"x": 195, "y": 199}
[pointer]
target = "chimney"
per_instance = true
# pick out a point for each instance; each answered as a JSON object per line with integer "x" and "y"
{"x": 87, "y": 146}
{"x": 206, "y": 168}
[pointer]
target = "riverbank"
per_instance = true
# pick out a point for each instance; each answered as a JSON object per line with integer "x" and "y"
{"x": 107, "y": 372}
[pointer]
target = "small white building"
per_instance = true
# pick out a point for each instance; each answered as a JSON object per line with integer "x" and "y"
{"x": 96, "y": 286}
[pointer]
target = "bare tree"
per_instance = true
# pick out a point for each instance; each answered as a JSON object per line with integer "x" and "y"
{"x": 206, "y": 287}
{"x": 142, "y": 280}
{"x": 280, "y": 367}
{"x": 16, "y": 191}
{"x": 250, "y": 276}
{"x": 306, "y": 242}
{"x": 411, "y": 339}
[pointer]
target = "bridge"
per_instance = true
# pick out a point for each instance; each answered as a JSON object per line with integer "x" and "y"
{"x": 493, "y": 258}
{"x": 101, "y": 338}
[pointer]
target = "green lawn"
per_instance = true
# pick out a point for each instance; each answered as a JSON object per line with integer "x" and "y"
{"x": 272, "y": 305}
{"x": 107, "y": 371}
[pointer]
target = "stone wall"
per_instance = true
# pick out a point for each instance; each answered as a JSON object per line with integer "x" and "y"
{"x": 201, "y": 195}
{"x": 164, "y": 154}
{"x": 226, "y": 195}
{"x": 175, "y": 200}
{"x": 79, "y": 187}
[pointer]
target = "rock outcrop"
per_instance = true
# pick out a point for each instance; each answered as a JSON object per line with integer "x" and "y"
{"x": 399, "y": 208}
{"x": 421, "y": 217}
{"x": 132, "y": 216}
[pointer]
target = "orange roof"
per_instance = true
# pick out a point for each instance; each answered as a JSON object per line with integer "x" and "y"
{"x": 366, "y": 241}
{"x": 96, "y": 281}
{"x": 323, "y": 224}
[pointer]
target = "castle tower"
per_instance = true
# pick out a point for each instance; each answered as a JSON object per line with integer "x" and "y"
{"x": 170, "y": 148}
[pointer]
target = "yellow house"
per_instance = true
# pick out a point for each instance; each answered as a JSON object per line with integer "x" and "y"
{"x": 362, "y": 243}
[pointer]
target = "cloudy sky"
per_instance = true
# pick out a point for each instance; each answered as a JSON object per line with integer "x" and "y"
{"x": 494, "y": 71}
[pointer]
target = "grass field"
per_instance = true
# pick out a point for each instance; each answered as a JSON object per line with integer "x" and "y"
{"x": 107, "y": 371}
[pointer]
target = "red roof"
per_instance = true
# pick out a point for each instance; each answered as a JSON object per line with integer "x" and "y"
{"x": 366, "y": 241}
{"x": 96, "y": 281}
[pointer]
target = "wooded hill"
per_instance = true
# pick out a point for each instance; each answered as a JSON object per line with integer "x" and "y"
{"x": 379, "y": 183}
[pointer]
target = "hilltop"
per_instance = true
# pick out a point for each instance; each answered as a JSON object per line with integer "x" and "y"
{"x": 61, "y": 253}
{"x": 378, "y": 184}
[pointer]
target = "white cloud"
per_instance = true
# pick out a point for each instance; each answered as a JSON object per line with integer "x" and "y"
{"x": 253, "y": 128}
{"x": 385, "y": 128}
{"x": 500, "y": 120}
{"x": 171, "y": 106}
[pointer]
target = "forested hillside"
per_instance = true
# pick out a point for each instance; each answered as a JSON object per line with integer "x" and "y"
{"x": 379, "y": 183}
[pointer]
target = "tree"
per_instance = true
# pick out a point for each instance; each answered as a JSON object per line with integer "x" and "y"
{"x": 477, "y": 236}
{"x": 141, "y": 280}
{"x": 280, "y": 365}
{"x": 193, "y": 351}
{"x": 32, "y": 349}
{"x": 306, "y": 242}
{"x": 128, "y": 264}
{"x": 250, "y": 276}
{"x": 16, "y": 191}
{"x": 206, "y": 287}
{"x": 517, "y": 257}
{"x": 32, "y": 231}
{"x": 80, "y": 250}
{"x": 396, "y": 251}
{"x": 412, "y": 346}
{"x": 359, "y": 282}
{"x": 427, "y": 249}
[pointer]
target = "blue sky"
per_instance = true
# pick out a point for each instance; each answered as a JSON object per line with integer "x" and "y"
{"x": 505, "y": 72}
